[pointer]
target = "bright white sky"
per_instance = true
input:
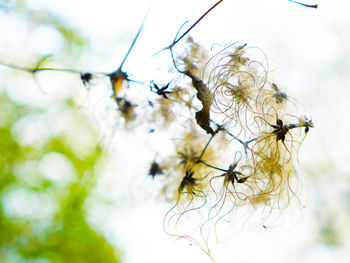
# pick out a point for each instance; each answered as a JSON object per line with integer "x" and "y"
{"x": 303, "y": 46}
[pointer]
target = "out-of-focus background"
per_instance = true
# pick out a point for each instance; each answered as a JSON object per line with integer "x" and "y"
{"x": 71, "y": 176}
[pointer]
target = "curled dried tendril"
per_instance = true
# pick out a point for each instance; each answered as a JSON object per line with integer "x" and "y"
{"x": 204, "y": 95}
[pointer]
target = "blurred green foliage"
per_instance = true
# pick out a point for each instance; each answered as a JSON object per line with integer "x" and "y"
{"x": 42, "y": 218}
